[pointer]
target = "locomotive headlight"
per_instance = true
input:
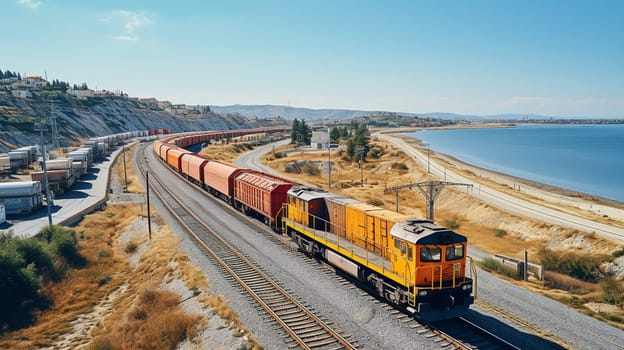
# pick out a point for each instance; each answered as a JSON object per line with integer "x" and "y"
{"x": 467, "y": 286}
{"x": 422, "y": 293}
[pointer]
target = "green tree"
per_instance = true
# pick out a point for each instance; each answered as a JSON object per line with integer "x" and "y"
{"x": 300, "y": 133}
{"x": 334, "y": 134}
{"x": 294, "y": 132}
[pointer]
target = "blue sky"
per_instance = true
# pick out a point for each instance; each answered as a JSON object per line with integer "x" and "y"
{"x": 557, "y": 58}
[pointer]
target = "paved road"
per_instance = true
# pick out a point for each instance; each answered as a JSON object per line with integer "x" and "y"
{"x": 89, "y": 191}
{"x": 251, "y": 159}
{"x": 509, "y": 203}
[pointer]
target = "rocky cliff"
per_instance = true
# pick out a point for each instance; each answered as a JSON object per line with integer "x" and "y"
{"x": 77, "y": 119}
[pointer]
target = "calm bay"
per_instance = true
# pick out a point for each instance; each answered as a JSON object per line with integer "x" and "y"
{"x": 583, "y": 158}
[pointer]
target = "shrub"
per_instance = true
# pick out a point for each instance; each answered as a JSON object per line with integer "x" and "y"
{"x": 399, "y": 166}
{"x": 19, "y": 284}
{"x": 279, "y": 155}
{"x": 376, "y": 202}
{"x": 496, "y": 266}
{"x": 310, "y": 169}
{"x": 565, "y": 282}
{"x": 618, "y": 253}
{"x": 612, "y": 291}
{"x": 500, "y": 233}
{"x": 130, "y": 248}
{"x": 102, "y": 254}
{"x": 583, "y": 267}
{"x": 453, "y": 224}
{"x": 104, "y": 280}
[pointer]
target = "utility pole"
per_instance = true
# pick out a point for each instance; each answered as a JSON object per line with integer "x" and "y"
{"x": 123, "y": 150}
{"x": 149, "y": 213}
{"x": 329, "y": 158}
{"x": 430, "y": 189}
{"x": 41, "y": 129}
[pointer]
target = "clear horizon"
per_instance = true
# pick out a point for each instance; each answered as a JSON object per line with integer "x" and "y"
{"x": 555, "y": 58}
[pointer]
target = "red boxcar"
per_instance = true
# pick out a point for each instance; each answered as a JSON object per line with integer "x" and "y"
{"x": 219, "y": 177}
{"x": 262, "y": 193}
{"x": 174, "y": 157}
{"x": 193, "y": 166}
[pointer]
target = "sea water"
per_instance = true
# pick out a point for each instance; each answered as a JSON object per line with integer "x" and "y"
{"x": 583, "y": 158}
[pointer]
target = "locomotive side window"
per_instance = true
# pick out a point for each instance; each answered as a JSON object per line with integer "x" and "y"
{"x": 400, "y": 245}
{"x": 430, "y": 254}
{"x": 454, "y": 252}
{"x": 410, "y": 253}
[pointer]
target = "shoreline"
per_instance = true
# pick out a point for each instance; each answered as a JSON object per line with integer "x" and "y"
{"x": 557, "y": 197}
{"x": 599, "y": 199}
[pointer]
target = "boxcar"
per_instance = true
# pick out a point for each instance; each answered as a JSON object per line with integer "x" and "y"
{"x": 219, "y": 178}
{"x": 261, "y": 193}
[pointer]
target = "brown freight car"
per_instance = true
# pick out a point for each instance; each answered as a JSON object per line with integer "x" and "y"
{"x": 261, "y": 194}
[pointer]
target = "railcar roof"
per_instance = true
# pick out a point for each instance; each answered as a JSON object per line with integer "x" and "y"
{"x": 425, "y": 232}
{"x": 308, "y": 193}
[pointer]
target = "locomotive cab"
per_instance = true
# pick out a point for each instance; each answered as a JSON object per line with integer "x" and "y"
{"x": 434, "y": 258}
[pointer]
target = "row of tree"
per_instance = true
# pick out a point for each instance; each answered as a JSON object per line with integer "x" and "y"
{"x": 8, "y": 74}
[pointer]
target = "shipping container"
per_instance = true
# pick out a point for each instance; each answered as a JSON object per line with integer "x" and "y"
{"x": 59, "y": 164}
{"x": 219, "y": 177}
{"x": 19, "y": 160}
{"x": 263, "y": 193}
{"x": 20, "y": 198}
{"x": 22, "y": 188}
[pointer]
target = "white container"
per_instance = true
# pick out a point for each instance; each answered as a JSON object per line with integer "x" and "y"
{"x": 17, "y": 189}
{"x": 59, "y": 164}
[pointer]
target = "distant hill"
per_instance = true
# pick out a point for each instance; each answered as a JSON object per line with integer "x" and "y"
{"x": 266, "y": 111}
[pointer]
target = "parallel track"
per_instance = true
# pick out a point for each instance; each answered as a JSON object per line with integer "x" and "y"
{"x": 306, "y": 329}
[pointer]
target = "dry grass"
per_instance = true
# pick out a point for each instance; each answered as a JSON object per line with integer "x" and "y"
{"x": 155, "y": 321}
{"x": 225, "y": 153}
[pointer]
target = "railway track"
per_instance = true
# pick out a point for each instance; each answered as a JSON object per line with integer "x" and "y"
{"x": 302, "y": 325}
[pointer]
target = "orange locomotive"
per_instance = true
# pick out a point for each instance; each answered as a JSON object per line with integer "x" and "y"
{"x": 412, "y": 263}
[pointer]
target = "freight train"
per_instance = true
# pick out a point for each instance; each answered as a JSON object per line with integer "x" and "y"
{"x": 412, "y": 263}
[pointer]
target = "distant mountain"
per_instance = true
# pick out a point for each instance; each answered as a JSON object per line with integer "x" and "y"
{"x": 266, "y": 111}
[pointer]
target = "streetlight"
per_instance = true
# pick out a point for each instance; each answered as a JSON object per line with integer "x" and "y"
{"x": 428, "y": 157}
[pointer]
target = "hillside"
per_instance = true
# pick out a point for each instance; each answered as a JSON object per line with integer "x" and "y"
{"x": 79, "y": 118}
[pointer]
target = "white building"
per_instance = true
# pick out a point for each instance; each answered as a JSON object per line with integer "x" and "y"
{"x": 320, "y": 139}
{"x": 21, "y": 93}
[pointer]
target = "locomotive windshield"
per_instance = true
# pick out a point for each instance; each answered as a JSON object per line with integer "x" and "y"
{"x": 430, "y": 254}
{"x": 454, "y": 252}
